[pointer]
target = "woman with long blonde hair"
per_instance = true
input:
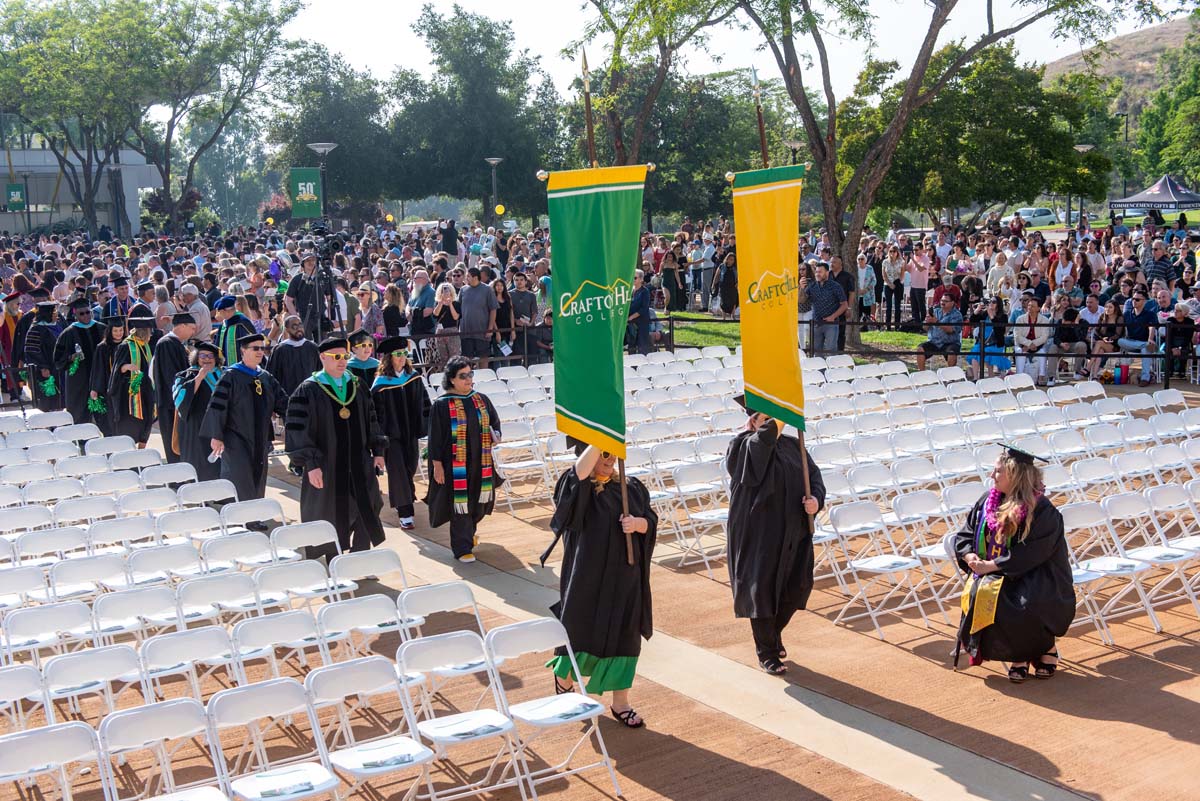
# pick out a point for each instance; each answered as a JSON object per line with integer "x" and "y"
{"x": 1015, "y": 555}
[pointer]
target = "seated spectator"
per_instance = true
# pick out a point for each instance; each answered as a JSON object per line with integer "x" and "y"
{"x": 1030, "y": 334}
{"x": 1070, "y": 336}
{"x": 945, "y": 332}
{"x": 1139, "y": 335}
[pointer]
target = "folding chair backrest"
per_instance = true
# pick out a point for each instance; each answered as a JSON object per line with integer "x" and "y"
{"x": 21, "y": 474}
{"x": 28, "y": 439}
{"x": 163, "y": 558}
{"x": 17, "y": 683}
{"x": 47, "y": 750}
{"x": 78, "y": 510}
{"x": 48, "y": 420}
{"x": 148, "y": 502}
{"x": 259, "y": 510}
{"x": 427, "y": 654}
{"x": 211, "y": 589}
{"x": 375, "y": 611}
{"x": 105, "y": 446}
{"x": 10, "y": 496}
{"x": 242, "y": 545}
{"x": 106, "y": 664}
{"x": 52, "y": 491}
{"x": 61, "y": 541}
{"x": 159, "y": 729}
{"x": 11, "y": 422}
{"x": 165, "y": 474}
{"x": 360, "y": 564}
{"x": 106, "y": 567}
{"x": 26, "y": 624}
{"x": 527, "y": 637}
{"x": 370, "y": 675}
{"x": 130, "y": 604}
{"x": 297, "y": 536}
{"x": 82, "y": 467}
{"x": 53, "y": 452}
{"x": 270, "y": 630}
{"x": 13, "y": 456}
{"x": 77, "y": 432}
{"x": 112, "y": 483}
{"x": 189, "y": 522}
{"x": 434, "y": 598}
{"x": 25, "y": 518}
{"x": 238, "y": 706}
{"x": 215, "y": 490}
{"x": 204, "y": 643}
{"x": 125, "y": 531}
{"x": 135, "y": 459}
{"x": 20, "y": 581}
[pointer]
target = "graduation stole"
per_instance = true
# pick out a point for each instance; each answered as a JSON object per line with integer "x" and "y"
{"x": 229, "y": 342}
{"x": 139, "y": 353}
{"x": 384, "y": 381}
{"x": 979, "y": 597}
{"x": 458, "y": 436}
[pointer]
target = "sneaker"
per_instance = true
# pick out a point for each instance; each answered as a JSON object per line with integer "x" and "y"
{"x": 407, "y": 523}
{"x": 467, "y": 558}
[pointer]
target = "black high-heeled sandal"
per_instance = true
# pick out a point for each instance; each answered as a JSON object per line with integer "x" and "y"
{"x": 1045, "y": 670}
{"x": 773, "y": 666}
{"x": 561, "y": 690}
{"x": 626, "y": 718}
{"x": 1018, "y": 674}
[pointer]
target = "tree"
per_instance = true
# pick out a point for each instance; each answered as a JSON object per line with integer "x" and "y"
{"x": 321, "y": 98}
{"x": 646, "y": 37}
{"x": 205, "y": 62}
{"x": 1167, "y": 137}
{"x": 230, "y": 174}
{"x": 484, "y": 102}
{"x": 72, "y": 71}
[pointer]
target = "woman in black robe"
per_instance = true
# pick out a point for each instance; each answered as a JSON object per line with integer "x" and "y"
{"x": 333, "y": 437}
{"x": 606, "y": 605}
{"x": 45, "y": 381}
{"x": 1019, "y": 595}
{"x": 102, "y": 368}
{"x": 193, "y": 389}
{"x": 74, "y": 353}
{"x": 770, "y": 531}
{"x": 363, "y": 363}
{"x": 401, "y": 405}
{"x": 463, "y": 480}
{"x": 130, "y": 390}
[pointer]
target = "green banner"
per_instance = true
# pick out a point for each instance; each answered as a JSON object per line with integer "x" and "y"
{"x": 304, "y": 187}
{"x": 596, "y": 218}
{"x": 14, "y": 195}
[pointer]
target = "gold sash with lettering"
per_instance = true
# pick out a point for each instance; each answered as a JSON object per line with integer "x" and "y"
{"x": 986, "y": 596}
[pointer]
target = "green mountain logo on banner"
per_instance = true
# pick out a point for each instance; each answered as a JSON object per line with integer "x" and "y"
{"x": 593, "y": 301}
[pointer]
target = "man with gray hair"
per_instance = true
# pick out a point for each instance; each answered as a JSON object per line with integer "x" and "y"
{"x": 190, "y": 302}
{"x": 1160, "y": 268}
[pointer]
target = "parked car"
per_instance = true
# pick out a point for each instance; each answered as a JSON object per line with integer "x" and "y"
{"x": 1034, "y": 216}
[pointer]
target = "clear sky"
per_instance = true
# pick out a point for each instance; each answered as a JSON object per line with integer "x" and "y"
{"x": 377, "y": 36}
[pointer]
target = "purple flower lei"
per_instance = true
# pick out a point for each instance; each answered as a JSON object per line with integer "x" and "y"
{"x": 992, "y": 505}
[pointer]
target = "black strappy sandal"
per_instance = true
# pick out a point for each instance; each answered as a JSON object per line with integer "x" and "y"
{"x": 773, "y": 666}
{"x": 626, "y": 718}
{"x": 1045, "y": 670}
{"x": 561, "y": 690}
{"x": 1018, "y": 674}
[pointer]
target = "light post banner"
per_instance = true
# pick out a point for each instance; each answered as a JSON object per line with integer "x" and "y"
{"x": 595, "y": 217}
{"x": 14, "y": 195}
{"x": 766, "y": 209}
{"x": 304, "y": 188}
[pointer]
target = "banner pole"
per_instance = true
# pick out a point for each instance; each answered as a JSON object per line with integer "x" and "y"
{"x": 625, "y": 508}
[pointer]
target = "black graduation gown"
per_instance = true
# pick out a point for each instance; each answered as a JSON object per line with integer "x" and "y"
{"x": 102, "y": 365}
{"x": 317, "y": 436}
{"x": 606, "y": 606}
{"x": 1037, "y": 599}
{"x": 191, "y": 404}
{"x": 20, "y": 333}
{"x": 770, "y": 542}
{"x": 365, "y": 374}
{"x": 401, "y": 410}
{"x": 240, "y": 416}
{"x": 120, "y": 406}
{"x": 291, "y": 364}
{"x": 440, "y": 497}
{"x": 39, "y": 355}
{"x": 170, "y": 359}
{"x": 77, "y": 388}
{"x": 231, "y": 330}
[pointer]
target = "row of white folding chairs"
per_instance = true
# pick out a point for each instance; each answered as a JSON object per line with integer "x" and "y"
{"x": 46, "y": 484}
{"x": 11, "y": 422}
{"x": 43, "y": 460}
{"x": 323, "y": 759}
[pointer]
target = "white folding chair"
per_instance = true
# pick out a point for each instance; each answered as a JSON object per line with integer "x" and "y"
{"x": 542, "y": 714}
{"x": 59, "y": 754}
{"x": 245, "y": 550}
{"x": 221, "y": 597}
{"x": 135, "y": 459}
{"x": 251, "y": 771}
{"x": 21, "y": 694}
{"x": 261, "y": 638}
{"x": 47, "y": 493}
{"x": 164, "y": 475}
{"x": 84, "y": 510}
{"x": 19, "y": 586}
{"x": 81, "y": 466}
{"x": 194, "y": 525}
{"x": 418, "y": 603}
{"x": 256, "y": 513}
{"x": 157, "y": 736}
{"x": 1136, "y": 536}
{"x": 150, "y": 502}
{"x": 111, "y": 483}
{"x": 217, "y": 490}
{"x": 358, "y": 622}
{"x": 53, "y": 451}
{"x": 47, "y": 547}
{"x": 77, "y": 432}
{"x": 106, "y": 671}
{"x": 85, "y": 577}
{"x": 305, "y": 581}
{"x": 21, "y": 474}
{"x": 28, "y": 439}
{"x": 164, "y": 564}
{"x": 358, "y": 565}
{"x": 195, "y": 654}
{"x": 290, "y": 541}
{"x": 106, "y": 446}
{"x": 139, "y": 612}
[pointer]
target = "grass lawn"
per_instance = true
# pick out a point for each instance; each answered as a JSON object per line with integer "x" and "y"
{"x": 696, "y": 330}
{"x": 1169, "y": 218}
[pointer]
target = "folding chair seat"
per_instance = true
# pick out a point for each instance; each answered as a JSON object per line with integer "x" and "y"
{"x": 250, "y": 772}
{"x": 868, "y": 370}
{"x": 950, "y": 375}
{"x": 21, "y": 474}
{"x": 111, "y": 483}
{"x": 60, "y": 754}
{"x": 157, "y": 735}
{"x": 135, "y": 459}
{"x": 84, "y": 510}
{"x": 512, "y": 372}
{"x": 53, "y": 452}
{"x": 47, "y": 493}
{"x": 28, "y": 439}
{"x": 832, "y": 454}
{"x": 219, "y": 490}
{"x": 196, "y": 654}
{"x": 686, "y": 392}
{"x": 106, "y": 446}
{"x": 165, "y": 475}
{"x": 811, "y": 364}
{"x": 292, "y": 631}
{"x": 706, "y": 407}
{"x": 1063, "y": 395}
{"x": 540, "y": 715}
{"x": 81, "y": 467}
{"x": 668, "y": 411}
{"x": 56, "y": 626}
{"x": 419, "y": 603}
{"x": 389, "y": 744}
{"x": 148, "y": 502}
{"x": 440, "y": 654}
{"x": 838, "y": 389}
{"x": 218, "y": 597}
{"x": 257, "y": 513}
{"x": 304, "y": 581}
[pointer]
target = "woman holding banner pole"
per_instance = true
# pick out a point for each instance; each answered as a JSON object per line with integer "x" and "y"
{"x": 770, "y": 530}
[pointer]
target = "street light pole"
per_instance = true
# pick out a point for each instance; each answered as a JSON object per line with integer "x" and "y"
{"x": 322, "y": 149}
{"x": 494, "y": 161}
{"x": 1080, "y": 149}
{"x": 28, "y": 213}
{"x": 794, "y": 146}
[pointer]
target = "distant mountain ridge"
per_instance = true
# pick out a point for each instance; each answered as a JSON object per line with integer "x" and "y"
{"x": 1133, "y": 57}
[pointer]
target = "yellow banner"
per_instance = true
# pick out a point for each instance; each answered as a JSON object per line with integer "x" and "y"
{"x": 766, "y": 209}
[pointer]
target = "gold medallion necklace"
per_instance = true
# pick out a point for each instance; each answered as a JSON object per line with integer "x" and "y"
{"x": 344, "y": 412}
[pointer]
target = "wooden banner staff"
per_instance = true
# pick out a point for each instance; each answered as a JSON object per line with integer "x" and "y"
{"x": 762, "y": 143}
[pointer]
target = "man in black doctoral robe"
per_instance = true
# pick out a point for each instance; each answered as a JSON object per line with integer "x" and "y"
{"x": 170, "y": 359}
{"x": 130, "y": 391}
{"x": 45, "y": 381}
{"x": 74, "y": 355}
{"x": 770, "y": 532}
{"x": 238, "y": 421}
{"x": 295, "y": 357}
{"x": 193, "y": 390}
{"x": 333, "y": 437}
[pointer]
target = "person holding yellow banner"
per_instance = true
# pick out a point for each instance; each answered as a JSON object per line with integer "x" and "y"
{"x": 1019, "y": 595}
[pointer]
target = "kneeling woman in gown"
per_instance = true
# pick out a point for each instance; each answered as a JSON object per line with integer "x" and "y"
{"x": 605, "y": 604}
{"x": 1019, "y": 596}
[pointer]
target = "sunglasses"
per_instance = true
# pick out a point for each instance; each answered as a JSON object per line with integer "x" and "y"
{"x": 467, "y": 376}
{"x": 254, "y": 347}
{"x": 337, "y": 357}
{"x": 401, "y": 353}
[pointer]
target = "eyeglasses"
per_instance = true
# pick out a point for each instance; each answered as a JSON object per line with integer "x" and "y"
{"x": 337, "y": 357}
{"x": 467, "y": 376}
{"x": 206, "y": 357}
{"x": 401, "y": 353}
{"x": 254, "y": 347}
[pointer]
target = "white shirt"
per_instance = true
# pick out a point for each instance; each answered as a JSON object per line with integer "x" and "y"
{"x": 1090, "y": 317}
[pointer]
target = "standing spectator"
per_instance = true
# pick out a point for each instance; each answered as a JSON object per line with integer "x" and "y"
{"x": 506, "y": 329}
{"x": 866, "y": 289}
{"x": 945, "y": 333}
{"x": 1181, "y": 336}
{"x": 828, "y": 307}
{"x": 639, "y": 314}
{"x": 918, "y": 281}
{"x": 893, "y": 285}
{"x": 393, "y": 313}
{"x": 849, "y": 285}
{"x": 726, "y": 283}
{"x": 449, "y": 238}
{"x": 446, "y": 312}
{"x": 478, "y": 306}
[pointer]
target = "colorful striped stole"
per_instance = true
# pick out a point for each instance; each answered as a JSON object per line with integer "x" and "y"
{"x": 458, "y": 434}
{"x": 139, "y": 354}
